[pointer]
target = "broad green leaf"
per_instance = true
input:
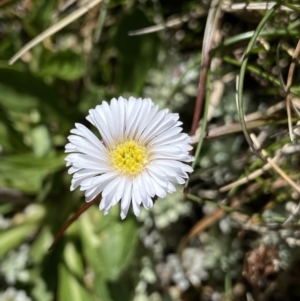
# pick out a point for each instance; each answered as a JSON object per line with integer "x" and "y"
{"x": 110, "y": 250}
{"x": 40, "y": 291}
{"x": 41, "y": 140}
{"x": 40, "y": 246}
{"x": 118, "y": 243}
{"x": 101, "y": 288}
{"x": 12, "y": 237}
{"x": 27, "y": 172}
{"x": 10, "y": 139}
{"x": 71, "y": 288}
{"x": 65, "y": 64}
{"x": 73, "y": 260}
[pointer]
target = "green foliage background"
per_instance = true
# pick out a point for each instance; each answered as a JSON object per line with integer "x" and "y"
{"x": 54, "y": 85}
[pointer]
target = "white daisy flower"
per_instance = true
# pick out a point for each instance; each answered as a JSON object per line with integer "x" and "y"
{"x": 139, "y": 157}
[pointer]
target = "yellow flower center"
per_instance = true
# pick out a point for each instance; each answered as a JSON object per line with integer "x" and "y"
{"x": 129, "y": 158}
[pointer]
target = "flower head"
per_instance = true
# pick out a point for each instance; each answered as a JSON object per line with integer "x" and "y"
{"x": 139, "y": 157}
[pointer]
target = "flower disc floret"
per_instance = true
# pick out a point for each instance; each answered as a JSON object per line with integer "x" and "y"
{"x": 141, "y": 154}
{"x": 129, "y": 158}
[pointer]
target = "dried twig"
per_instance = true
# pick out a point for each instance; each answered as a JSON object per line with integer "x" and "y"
{"x": 254, "y": 174}
{"x": 232, "y": 7}
{"x": 169, "y": 23}
{"x": 275, "y": 166}
{"x": 288, "y": 87}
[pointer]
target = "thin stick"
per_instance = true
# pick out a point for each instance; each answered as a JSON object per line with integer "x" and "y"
{"x": 55, "y": 28}
{"x": 288, "y": 87}
{"x": 169, "y": 23}
{"x": 253, "y": 6}
{"x": 72, "y": 220}
{"x": 253, "y": 175}
{"x": 275, "y": 166}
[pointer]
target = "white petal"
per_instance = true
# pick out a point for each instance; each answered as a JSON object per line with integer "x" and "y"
{"x": 147, "y": 202}
{"x": 136, "y": 199}
{"x": 120, "y": 190}
{"x": 166, "y": 123}
{"x": 85, "y": 161}
{"x": 141, "y": 185}
{"x": 106, "y": 203}
{"x": 152, "y": 125}
{"x": 122, "y": 115}
{"x": 127, "y": 196}
{"x": 85, "y": 173}
{"x": 175, "y": 164}
{"x": 109, "y": 117}
{"x": 132, "y": 119}
{"x": 126, "y": 199}
{"x": 83, "y": 131}
{"x": 111, "y": 186}
{"x": 73, "y": 169}
{"x": 171, "y": 171}
{"x": 91, "y": 193}
{"x": 104, "y": 129}
{"x": 148, "y": 184}
{"x": 159, "y": 191}
{"x": 165, "y": 135}
{"x": 171, "y": 188}
{"x": 95, "y": 181}
{"x": 149, "y": 111}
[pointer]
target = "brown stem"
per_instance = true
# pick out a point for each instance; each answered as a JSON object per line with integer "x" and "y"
{"x": 210, "y": 28}
{"x": 73, "y": 219}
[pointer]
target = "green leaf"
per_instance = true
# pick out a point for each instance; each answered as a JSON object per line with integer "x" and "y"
{"x": 110, "y": 250}
{"x": 101, "y": 288}
{"x": 40, "y": 291}
{"x": 73, "y": 260}
{"x": 133, "y": 51}
{"x": 10, "y": 138}
{"x": 69, "y": 287}
{"x": 21, "y": 91}
{"x": 41, "y": 140}
{"x": 11, "y": 238}
{"x": 40, "y": 246}
{"x": 118, "y": 243}
{"x": 27, "y": 172}
{"x": 65, "y": 64}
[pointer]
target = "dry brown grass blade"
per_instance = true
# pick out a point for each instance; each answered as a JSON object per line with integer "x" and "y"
{"x": 288, "y": 87}
{"x": 276, "y": 167}
{"x": 55, "y": 28}
{"x": 282, "y": 174}
{"x": 253, "y": 120}
{"x": 2, "y": 2}
{"x": 213, "y": 19}
{"x": 233, "y": 128}
{"x": 255, "y": 174}
{"x": 204, "y": 224}
{"x": 233, "y": 7}
{"x": 169, "y": 23}
{"x": 200, "y": 226}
